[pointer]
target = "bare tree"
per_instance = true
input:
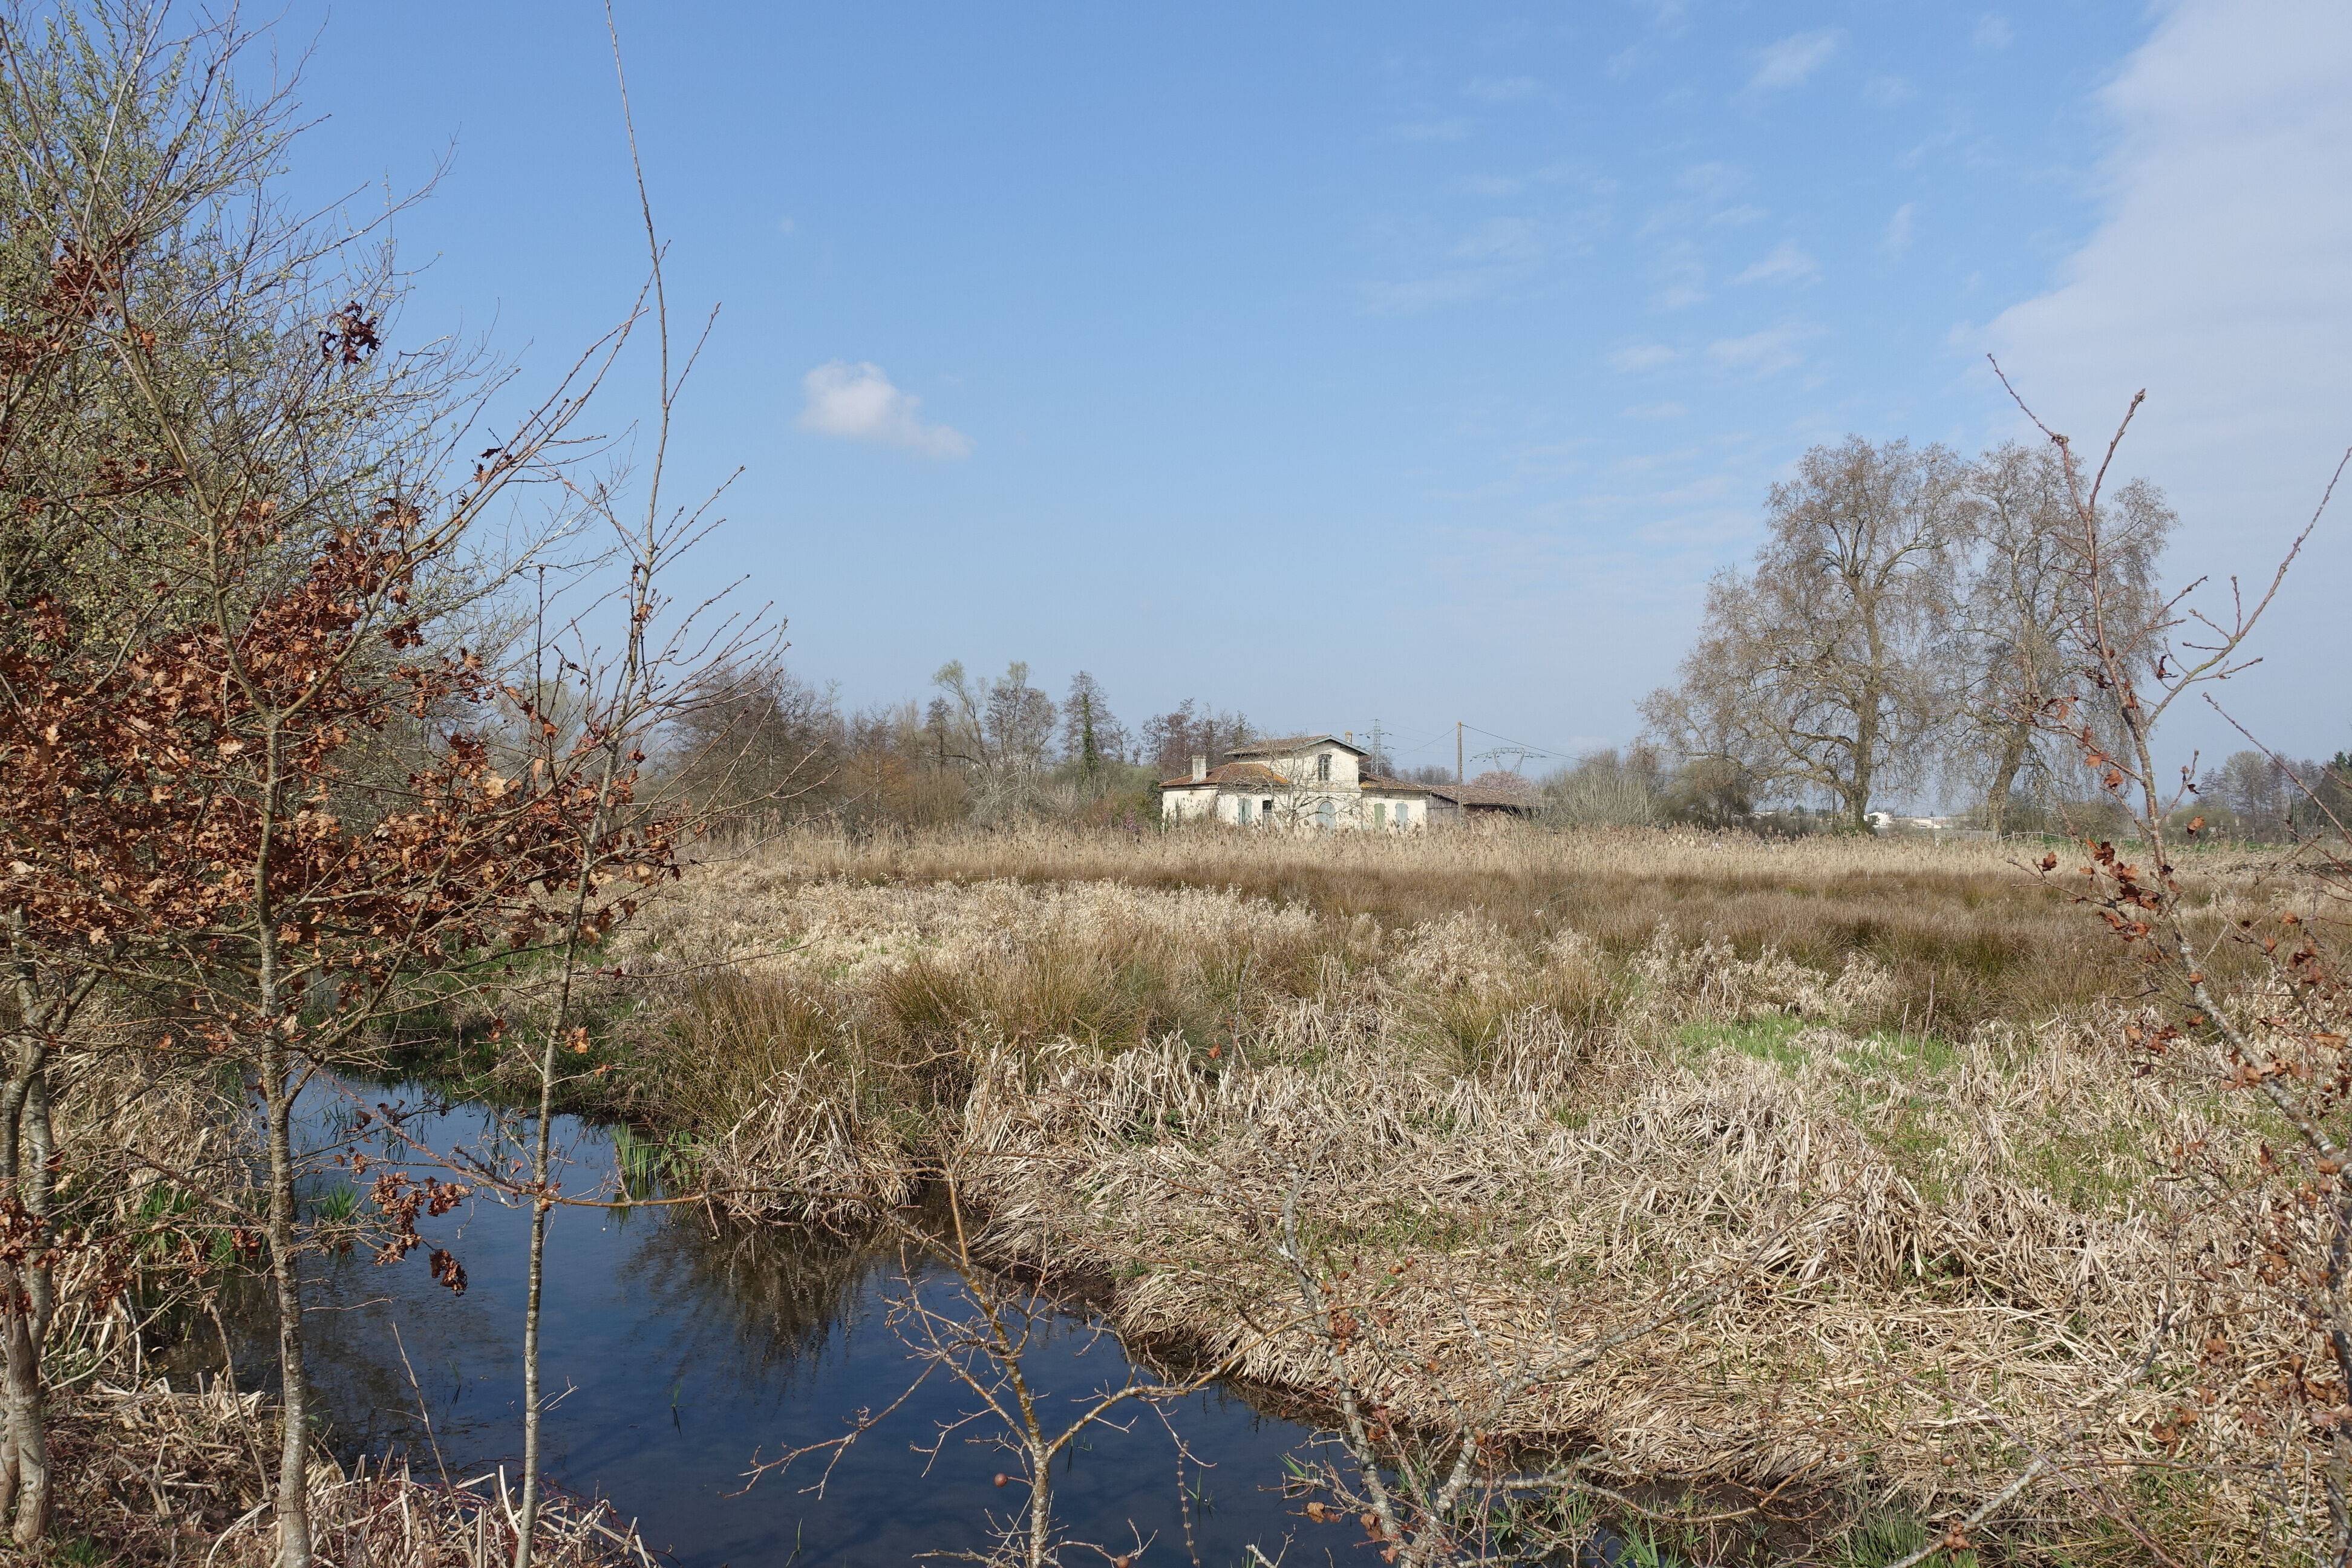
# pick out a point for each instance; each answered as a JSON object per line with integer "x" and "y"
{"x": 2011, "y": 626}
{"x": 1816, "y": 672}
{"x": 2280, "y": 1031}
{"x": 1171, "y": 740}
{"x": 1605, "y": 789}
{"x": 999, "y": 732}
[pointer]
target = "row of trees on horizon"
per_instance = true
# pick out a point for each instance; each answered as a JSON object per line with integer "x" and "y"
{"x": 1897, "y": 636}
{"x": 990, "y": 750}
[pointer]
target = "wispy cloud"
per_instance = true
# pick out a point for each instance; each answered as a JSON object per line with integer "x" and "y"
{"x": 858, "y": 403}
{"x": 1502, "y": 89}
{"x": 1794, "y": 58}
{"x": 1886, "y": 91}
{"x": 1992, "y": 32}
{"x": 1503, "y": 239}
{"x": 1712, "y": 181}
{"x": 1686, "y": 279}
{"x": 1897, "y": 238}
{"x": 1788, "y": 263}
{"x": 1429, "y": 130}
{"x": 1759, "y": 353}
{"x": 1421, "y": 293}
{"x": 1635, "y": 357}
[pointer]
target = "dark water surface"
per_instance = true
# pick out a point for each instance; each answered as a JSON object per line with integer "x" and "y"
{"x": 674, "y": 1350}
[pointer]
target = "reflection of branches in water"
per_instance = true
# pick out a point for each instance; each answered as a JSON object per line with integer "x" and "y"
{"x": 754, "y": 1302}
{"x": 367, "y": 1398}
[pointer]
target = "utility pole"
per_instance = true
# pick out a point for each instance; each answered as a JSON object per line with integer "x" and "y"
{"x": 1458, "y": 751}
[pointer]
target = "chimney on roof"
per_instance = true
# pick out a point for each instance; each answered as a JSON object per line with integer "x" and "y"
{"x": 1199, "y": 767}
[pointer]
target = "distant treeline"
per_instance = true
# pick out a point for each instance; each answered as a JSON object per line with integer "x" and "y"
{"x": 762, "y": 741}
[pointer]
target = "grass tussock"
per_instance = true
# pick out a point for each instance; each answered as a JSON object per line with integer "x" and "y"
{"x": 1555, "y": 1080}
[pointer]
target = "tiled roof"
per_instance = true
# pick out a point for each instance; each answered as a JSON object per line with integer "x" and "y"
{"x": 1393, "y": 786}
{"x": 1231, "y": 774}
{"x": 1289, "y": 744}
{"x": 1485, "y": 795}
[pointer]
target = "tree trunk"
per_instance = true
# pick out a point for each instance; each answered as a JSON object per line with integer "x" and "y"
{"x": 2006, "y": 768}
{"x": 1866, "y": 754}
{"x": 294, "y": 1439}
{"x": 28, "y": 1480}
{"x": 530, "y": 1456}
{"x": 26, "y": 1143}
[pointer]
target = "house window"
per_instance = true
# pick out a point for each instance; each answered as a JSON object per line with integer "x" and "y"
{"x": 1322, "y": 767}
{"x": 1326, "y": 814}
{"x": 1246, "y": 806}
{"x": 1380, "y": 813}
{"x": 1265, "y": 810}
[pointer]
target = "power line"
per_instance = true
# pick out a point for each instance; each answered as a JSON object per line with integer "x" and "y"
{"x": 1533, "y": 749}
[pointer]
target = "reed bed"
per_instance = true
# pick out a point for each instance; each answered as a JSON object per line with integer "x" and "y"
{"x": 158, "y": 1474}
{"x": 1870, "y": 1099}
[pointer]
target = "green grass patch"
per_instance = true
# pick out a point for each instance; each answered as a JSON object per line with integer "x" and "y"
{"x": 2092, "y": 1170}
{"x": 1768, "y": 1039}
{"x": 1899, "y": 1055}
{"x": 1882, "y": 1539}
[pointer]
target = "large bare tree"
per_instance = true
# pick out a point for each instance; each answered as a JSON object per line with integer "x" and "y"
{"x": 1819, "y": 672}
{"x": 2012, "y": 646}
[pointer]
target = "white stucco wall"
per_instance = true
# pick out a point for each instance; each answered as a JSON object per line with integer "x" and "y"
{"x": 1300, "y": 767}
{"x": 1299, "y": 803}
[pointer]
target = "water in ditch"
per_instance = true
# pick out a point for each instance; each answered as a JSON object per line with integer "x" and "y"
{"x": 677, "y": 1350}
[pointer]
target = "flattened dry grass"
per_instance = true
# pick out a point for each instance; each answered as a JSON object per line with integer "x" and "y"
{"x": 1559, "y": 1079}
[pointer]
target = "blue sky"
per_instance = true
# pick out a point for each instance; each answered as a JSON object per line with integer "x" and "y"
{"x": 1410, "y": 363}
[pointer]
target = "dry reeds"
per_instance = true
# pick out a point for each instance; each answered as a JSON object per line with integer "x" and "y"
{"x": 1556, "y": 1079}
{"x": 161, "y": 1475}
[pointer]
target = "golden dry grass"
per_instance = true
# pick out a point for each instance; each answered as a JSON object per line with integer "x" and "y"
{"x": 159, "y": 1475}
{"x": 1560, "y": 1079}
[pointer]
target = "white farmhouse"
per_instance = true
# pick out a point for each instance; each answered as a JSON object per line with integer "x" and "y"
{"x": 1298, "y": 782}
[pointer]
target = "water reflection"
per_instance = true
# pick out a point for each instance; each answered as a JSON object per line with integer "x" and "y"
{"x": 677, "y": 1346}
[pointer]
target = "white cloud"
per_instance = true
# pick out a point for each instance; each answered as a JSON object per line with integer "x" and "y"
{"x": 1788, "y": 263}
{"x": 1759, "y": 353}
{"x": 1643, "y": 356}
{"x": 1431, "y": 131}
{"x": 1992, "y": 32}
{"x": 1787, "y": 63}
{"x": 1886, "y": 91}
{"x": 1502, "y": 89}
{"x": 786, "y": 226}
{"x": 2220, "y": 280}
{"x": 1897, "y": 238}
{"x": 857, "y": 403}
